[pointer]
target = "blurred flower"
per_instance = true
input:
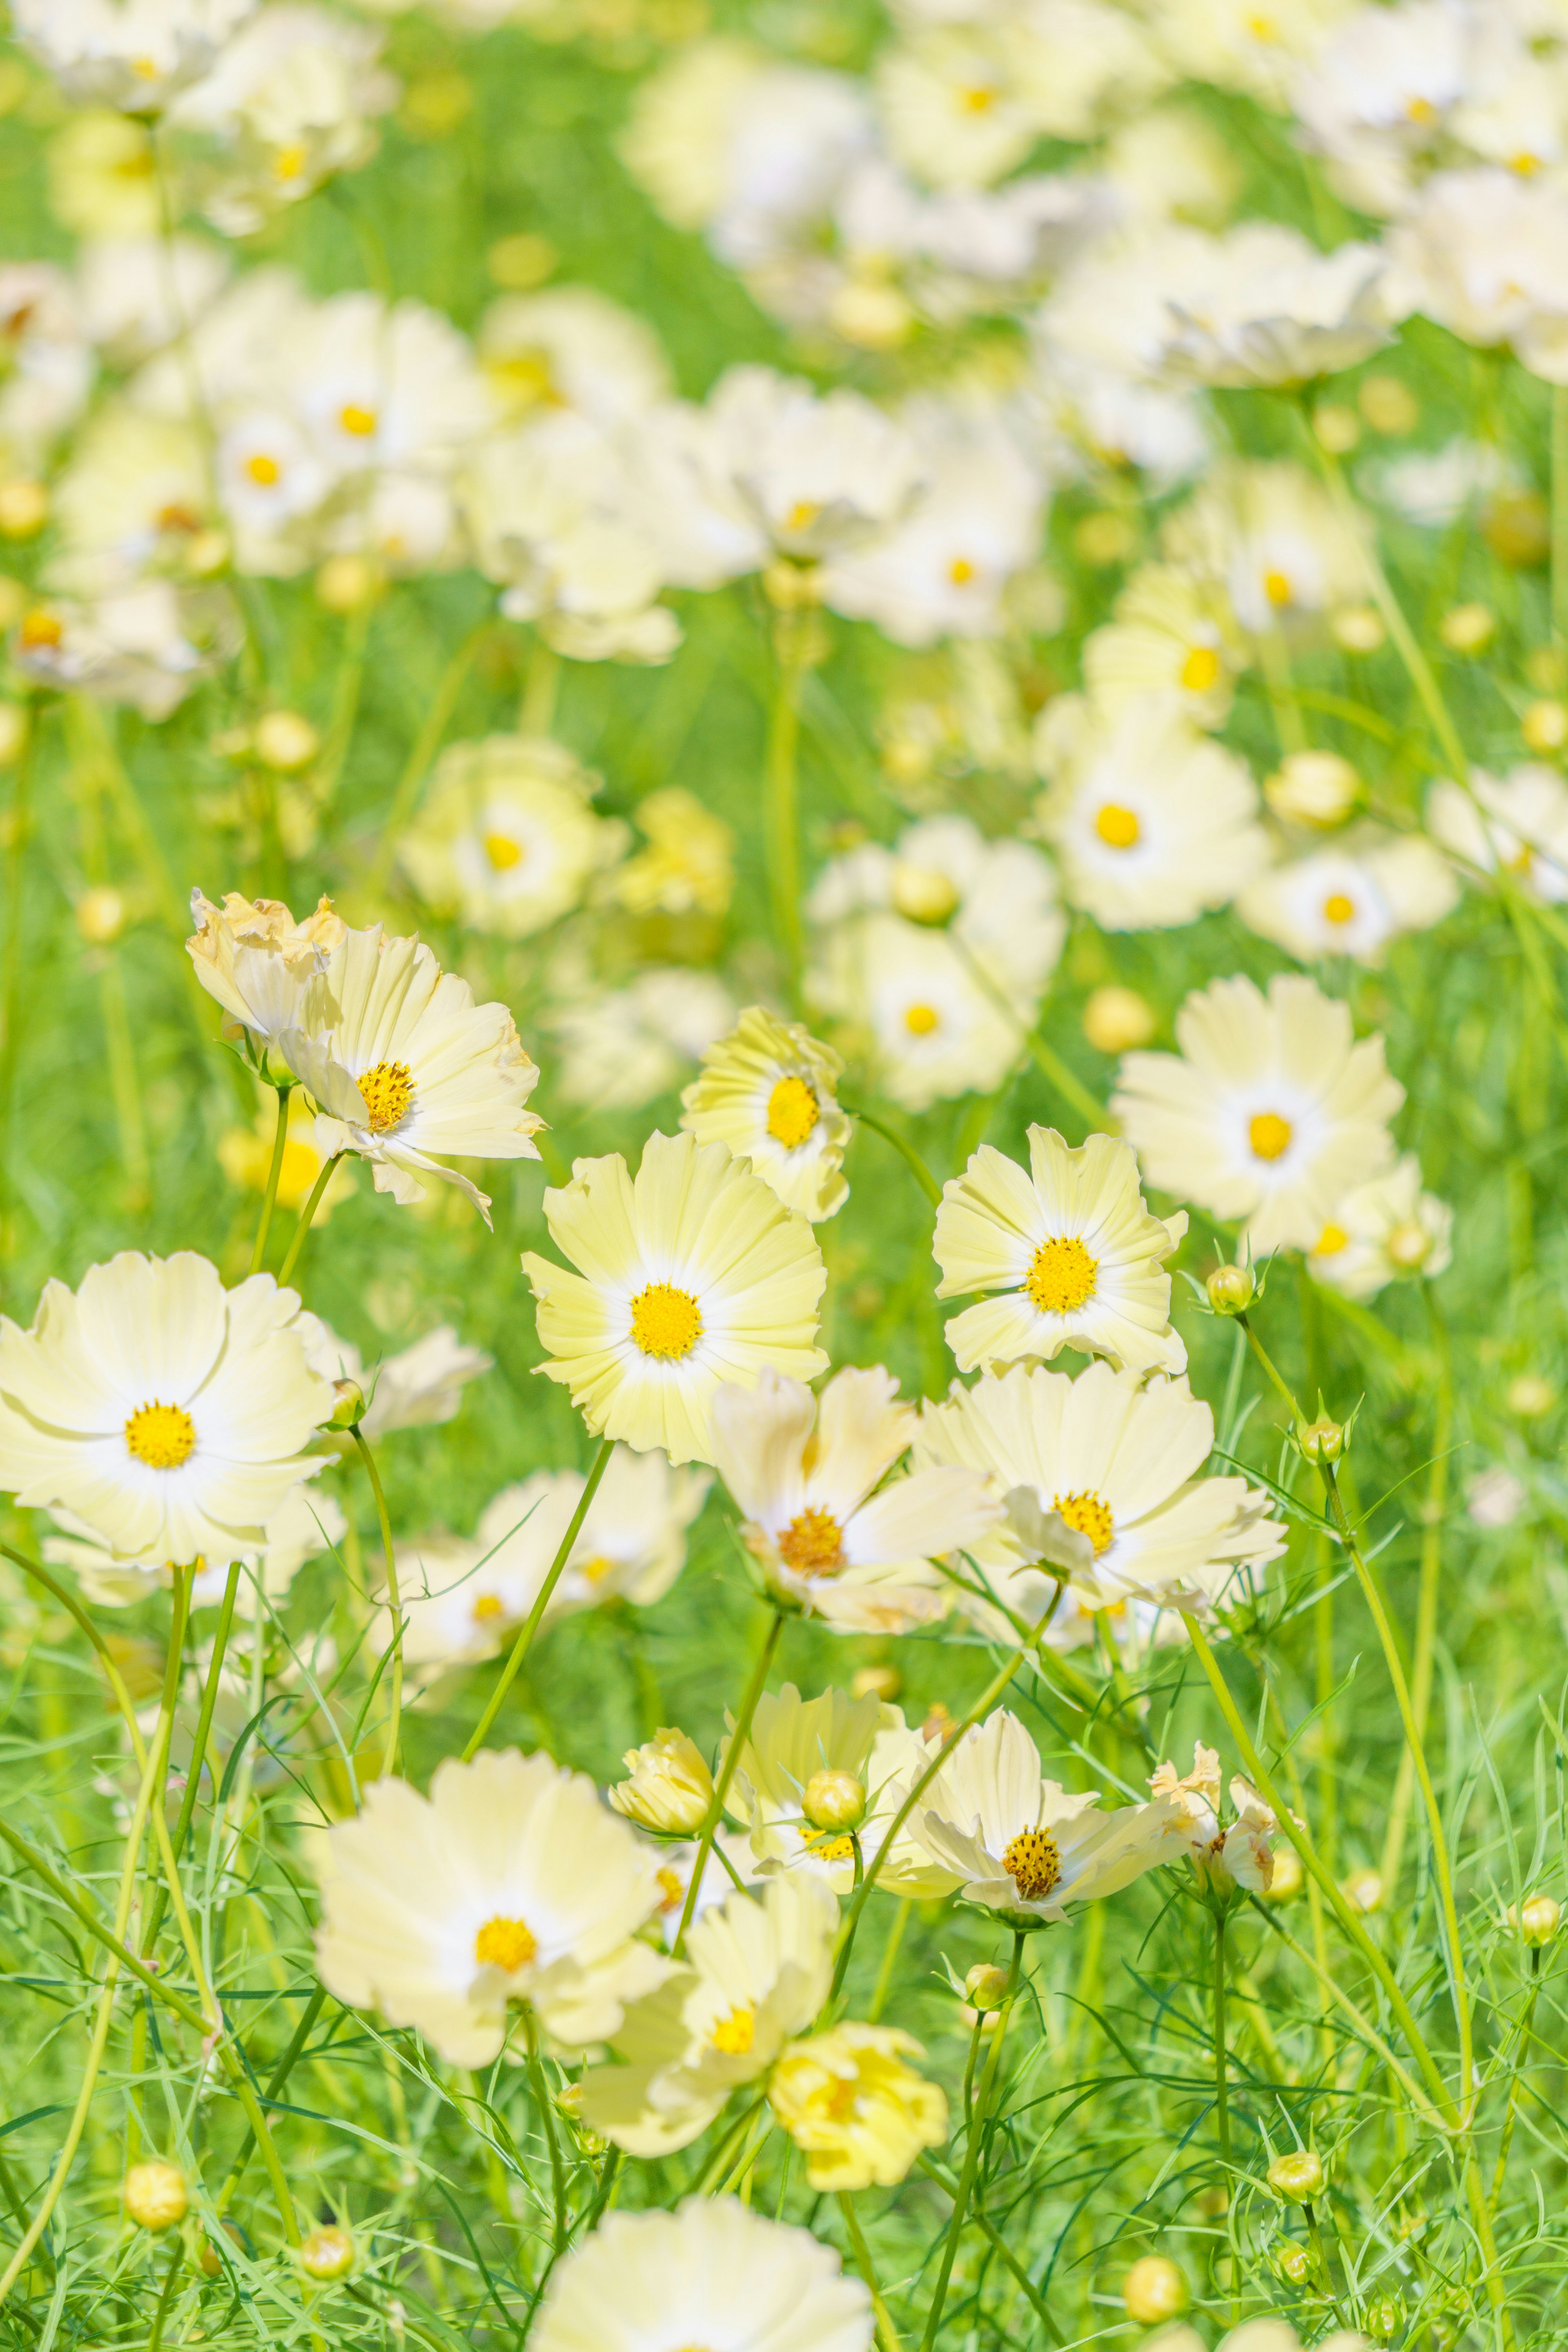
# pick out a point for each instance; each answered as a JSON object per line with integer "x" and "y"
{"x": 505, "y": 835}
{"x": 1276, "y": 312}
{"x": 1383, "y": 1232}
{"x": 1073, "y": 1246}
{"x": 767, "y": 1091}
{"x": 689, "y": 862}
{"x": 245, "y": 1155}
{"x": 571, "y": 348}
{"x": 167, "y": 1413}
{"x": 45, "y": 361}
{"x": 858, "y": 2113}
{"x": 1240, "y": 1853}
{"x": 1482, "y": 253}
{"x": 308, "y": 1521}
{"x": 133, "y": 55}
{"x": 617, "y": 1048}
{"x": 1270, "y": 1112}
{"x": 793, "y": 1743}
{"x": 102, "y": 176}
{"x": 1171, "y": 635}
{"x": 830, "y": 1536}
{"x": 1265, "y": 533}
{"x": 422, "y": 1385}
{"x": 1494, "y": 1497}
{"x": 1518, "y": 822}
{"x": 1116, "y": 1019}
{"x": 508, "y": 1882}
{"x": 695, "y": 1273}
{"x": 1313, "y": 788}
{"x": 669, "y": 1786}
{"x": 1350, "y": 899}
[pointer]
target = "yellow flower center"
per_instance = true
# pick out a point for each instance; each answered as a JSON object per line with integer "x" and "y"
{"x": 826, "y": 1849}
{"x": 1330, "y": 1241}
{"x": 1117, "y": 827}
{"x": 1034, "y": 1864}
{"x": 38, "y": 630}
{"x": 792, "y": 1112}
{"x": 1525, "y": 163}
{"x": 1062, "y": 1275}
{"x": 487, "y": 1606}
{"x": 503, "y": 852}
{"x": 162, "y": 1436}
{"x": 802, "y": 515}
{"x": 360, "y": 422}
{"x": 503, "y": 1943}
{"x": 1269, "y": 1135}
{"x": 670, "y": 1890}
{"x": 919, "y": 1020}
{"x": 1338, "y": 908}
{"x": 1262, "y": 28}
{"x": 1277, "y": 587}
{"x": 385, "y": 1090}
{"x": 961, "y": 571}
{"x": 1420, "y": 110}
{"x": 595, "y": 1570}
{"x": 1201, "y": 669}
{"x": 813, "y": 1544}
{"x": 144, "y": 69}
{"x": 1089, "y": 1515}
{"x": 978, "y": 98}
{"x": 289, "y": 161}
{"x": 666, "y": 1322}
{"x": 735, "y": 2033}
{"x": 263, "y": 470}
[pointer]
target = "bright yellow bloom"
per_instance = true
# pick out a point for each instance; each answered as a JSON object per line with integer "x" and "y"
{"x": 859, "y": 2114}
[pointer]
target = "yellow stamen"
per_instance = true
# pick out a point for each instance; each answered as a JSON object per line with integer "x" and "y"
{"x": 961, "y": 571}
{"x": 978, "y": 98}
{"x": 1034, "y": 1864}
{"x": 360, "y": 422}
{"x": 386, "y": 1091}
{"x": 1330, "y": 1241}
{"x": 666, "y": 1323}
{"x": 289, "y": 161}
{"x": 1201, "y": 669}
{"x": 487, "y": 1606}
{"x": 1117, "y": 827}
{"x": 735, "y": 2033}
{"x": 38, "y": 630}
{"x": 813, "y": 1543}
{"x": 1525, "y": 163}
{"x": 1338, "y": 908}
{"x": 263, "y": 470}
{"x": 1091, "y": 1517}
{"x": 503, "y": 852}
{"x": 595, "y": 1570}
{"x": 802, "y": 515}
{"x": 1269, "y": 1135}
{"x": 792, "y": 1112}
{"x": 1420, "y": 110}
{"x": 826, "y": 1849}
{"x": 670, "y": 1890}
{"x": 503, "y": 1943}
{"x": 162, "y": 1436}
{"x": 144, "y": 69}
{"x": 1061, "y": 1275}
{"x": 919, "y": 1020}
{"x": 1277, "y": 587}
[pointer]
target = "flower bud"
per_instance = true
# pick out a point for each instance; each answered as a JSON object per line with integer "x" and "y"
{"x": 24, "y": 508}
{"x": 1231, "y": 1289}
{"x": 326, "y": 2253}
{"x": 1538, "y": 1919}
{"x": 100, "y": 915}
{"x": 1363, "y": 1890}
{"x": 155, "y": 2195}
{"x": 345, "y": 583}
{"x": 1408, "y": 1246}
{"x": 1294, "y": 2264}
{"x": 1118, "y": 1020}
{"x": 1388, "y": 405}
{"x": 1336, "y": 426}
{"x": 13, "y": 733}
{"x": 1467, "y": 628}
{"x": 1530, "y": 1396}
{"x": 348, "y": 1410}
{"x": 877, "y": 318}
{"x": 1154, "y": 2290}
{"x": 670, "y": 1786}
{"x": 1516, "y": 526}
{"x": 1383, "y": 2317}
{"x": 1321, "y": 1439}
{"x": 1317, "y": 788}
{"x": 1544, "y": 726}
{"x": 1297, "y": 2177}
{"x": 921, "y": 893}
{"x": 986, "y": 1986}
{"x": 876, "y": 1682}
{"x": 286, "y": 740}
{"x": 1357, "y": 628}
{"x": 834, "y": 1800}
{"x": 1104, "y": 539}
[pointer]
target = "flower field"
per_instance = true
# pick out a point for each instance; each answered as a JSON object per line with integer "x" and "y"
{"x": 783, "y": 926}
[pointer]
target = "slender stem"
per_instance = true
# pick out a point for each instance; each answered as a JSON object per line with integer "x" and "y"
{"x": 270, "y": 1198}
{"x": 536, "y": 714}
{"x": 999, "y": 2245}
{"x": 886, "y": 2334}
{"x": 1360, "y": 2025}
{"x": 280, "y": 2074}
{"x": 1320, "y": 2254}
{"x": 1272, "y": 1368}
{"x": 306, "y": 1214}
{"x": 543, "y": 2101}
{"x": 781, "y": 811}
{"x": 972, "y": 2152}
{"x": 199, "y": 1746}
{"x": 1521, "y": 2051}
{"x": 177, "y": 2264}
{"x": 1427, "y": 1602}
{"x": 905, "y": 1149}
{"x": 394, "y": 1602}
{"x": 42, "y": 1868}
{"x": 1095, "y": 1114}
{"x": 1560, "y": 514}
{"x": 443, "y": 702}
{"x": 727, "y": 1769}
{"x": 520, "y": 1648}
{"x": 890, "y": 1954}
{"x": 1221, "y": 2082}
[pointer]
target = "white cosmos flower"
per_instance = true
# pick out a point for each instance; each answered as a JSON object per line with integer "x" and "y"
{"x": 1072, "y": 1247}
{"x": 1170, "y": 636}
{"x": 570, "y": 347}
{"x": 1116, "y": 1463}
{"x": 1350, "y": 898}
{"x": 404, "y": 1068}
{"x": 46, "y": 356}
{"x": 830, "y": 1537}
{"x": 510, "y": 1880}
{"x": 766, "y": 1092}
{"x": 792, "y": 1744}
{"x": 166, "y": 1412}
{"x": 712, "y": 2273}
{"x": 132, "y": 53}
{"x": 1383, "y": 1232}
{"x": 1485, "y": 253}
{"x": 1263, "y": 532}
{"x": 617, "y": 1048}
{"x": 1152, "y": 823}
{"x": 1274, "y": 311}
{"x": 421, "y": 1385}
{"x": 1518, "y": 821}
{"x": 506, "y": 834}
{"x": 1270, "y": 1112}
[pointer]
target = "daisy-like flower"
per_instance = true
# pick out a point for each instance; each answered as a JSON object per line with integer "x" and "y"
{"x": 1268, "y": 1114}
{"x": 1017, "y": 1844}
{"x": 806, "y": 1474}
{"x": 1073, "y": 1247}
{"x": 766, "y": 1091}
{"x": 405, "y": 1069}
{"x": 758, "y": 1973}
{"x": 691, "y": 1275}
{"x": 711, "y": 2274}
{"x": 1383, "y": 1232}
{"x": 164, "y": 1411}
{"x": 1152, "y": 823}
{"x": 1351, "y": 898}
{"x": 1112, "y": 1467}
{"x": 510, "y": 1880}
{"x": 806, "y": 1779}
{"x": 1171, "y": 635}
{"x": 1518, "y": 822}
{"x": 860, "y": 2115}
{"x": 1265, "y": 533}
{"x": 258, "y": 961}
{"x": 507, "y": 835}
{"x": 1274, "y": 311}
{"x": 688, "y": 864}
{"x": 1239, "y": 1852}
{"x": 132, "y": 53}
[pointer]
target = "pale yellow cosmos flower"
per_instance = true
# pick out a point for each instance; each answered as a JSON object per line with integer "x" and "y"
{"x": 856, "y": 2111}
{"x": 767, "y": 1091}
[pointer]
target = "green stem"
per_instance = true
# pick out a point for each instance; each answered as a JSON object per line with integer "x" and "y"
{"x": 270, "y": 1198}
{"x": 1521, "y": 2051}
{"x": 890, "y": 1954}
{"x": 544, "y": 2102}
{"x": 394, "y": 1602}
{"x": 1221, "y": 2081}
{"x": 306, "y": 1214}
{"x": 280, "y": 2074}
{"x": 520, "y": 1648}
{"x": 972, "y": 2152}
{"x": 199, "y": 1746}
{"x": 999, "y": 2245}
{"x": 905, "y": 1149}
{"x": 1272, "y": 1367}
{"x": 1427, "y": 1603}
{"x": 727, "y": 1769}
{"x": 781, "y": 811}
{"x": 886, "y": 2334}
{"x": 177, "y": 2264}
{"x": 443, "y": 702}
{"x": 1560, "y": 514}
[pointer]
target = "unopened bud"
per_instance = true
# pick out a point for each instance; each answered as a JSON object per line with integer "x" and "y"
{"x": 1467, "y": 628}
{"x": 1231, "y": 1289}
{"x": 1357, "y": 628}
{"x": 1288, "y": 1877}
{"x": 1321, "y": 1439}
{"x": 834, "y": 1800}
{"x": 286, "y": 740}
{"x": 1530, "y": 1396}
{"x": 876, "y": 1682}
{"x": 1294, "y": 2265}
{"x": 1316, "y": 788}
{"x": 326, "y": 2253}
{"x": 1544, "y": 726}
{"x": 1383, "y": 2317}
{"x": 155, "y": 2195}
{"x": 24, "y": 508}
{"x": 1409, "y": 1246}
{"x": 670, "y": 1787}
{"x": 346, "y": 583}
{"x": 1154, "y": 2290}
{"x": 100, "y": 915}
{"x": 348, "y": 1411}
{"x": 921, "y": 893}
{"x": 1297, "y": 2177}
{"x": 1363, "y": 1890}
{"x": 1118, "y": 1020}
{"x": 1388, "y": 405}
{"x": 1336, "y": 426}
{"x": 1538, "y": 1919}
{"x": 985, "y": 1986}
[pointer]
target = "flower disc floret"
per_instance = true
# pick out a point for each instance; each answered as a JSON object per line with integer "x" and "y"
{"x": 666, "y": 1322}
{"x": 1033, "y": 1861}
{"x": 387, "y": 1088}
{"x": 1062, "y": 1275}
{"x": 792, "y": 1112}
{"x": 162, "y": 1436}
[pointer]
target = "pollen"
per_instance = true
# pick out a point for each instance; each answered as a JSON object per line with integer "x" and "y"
{"x": 1033, "y": 1861}
{"x": 503, "y": 1943}
{"x": 734, "y": 2035}
{"x": 503, "y": 852}
{"x": 40, "y": 630}
{"x": 162, "y": 1436}
{"x": 360, "y": 422}
{"x": 1525, "y": 163}
{"x": 1062, "y": 1275}
{"x": 802, "y": 515}
{"x": 813, "y": 1543}
{"x": 919, "y": 1020}
{"x": 1338, "y": 908}
{"x": 978, "y": 98}
{"x": 1201, "y": 669}
{"x": 1086, "y": 1513}
{"x": 1117, "y": 827}
{"x": 1420, "y": 110}
{"x": 670, "y": 1890}
{"x": 1277, "y": 587}
{"x": 289, "y": 161}
{"x": 1269, "y": 1135}
{"x": 263, "y": 470}
{"x": 666, "y": 1323}
{"x": 595, "y": 1570}
{"x": 388, "y": 1090}
{"x": 792, "y": 1112}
